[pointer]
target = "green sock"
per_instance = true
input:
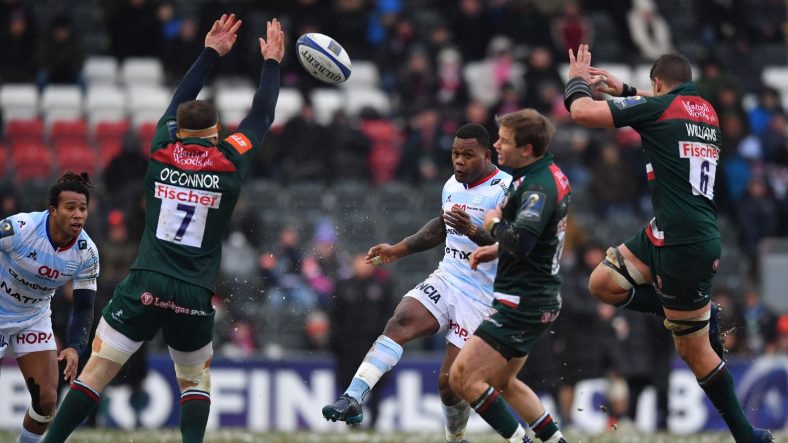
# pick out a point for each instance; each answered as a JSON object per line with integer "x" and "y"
{"x": 719, "y": 388}
{"x": 493, "y": 409}
{"x": 79, "y": 402}
{"x": 195, "y": 406}
{"x": 643, "y": 298}
{"x": 544, "y": 427}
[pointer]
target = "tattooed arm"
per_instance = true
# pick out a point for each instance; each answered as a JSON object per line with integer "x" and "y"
{"x": 430, "y": 235}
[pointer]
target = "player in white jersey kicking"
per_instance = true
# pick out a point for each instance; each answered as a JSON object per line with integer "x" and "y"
{"x": 40, "y": 251}
{"x": 454, "y": 299}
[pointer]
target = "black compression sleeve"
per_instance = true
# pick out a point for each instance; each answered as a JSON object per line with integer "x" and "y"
{"x": 576, "y": 88}
{"x": 516, "y": 241}
{"x": 264, "y": 103}
{"x": 81, "y": 319}
{"x": 194, "y": 80}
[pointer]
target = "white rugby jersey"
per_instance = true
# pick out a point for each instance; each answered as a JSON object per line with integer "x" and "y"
{"x": 31, "y": 267}
{"x": 475, "y": 199}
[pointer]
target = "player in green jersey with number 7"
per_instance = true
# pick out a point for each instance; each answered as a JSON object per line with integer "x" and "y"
{"x": 667, "y": 268}
{"x": 192, "y": 185}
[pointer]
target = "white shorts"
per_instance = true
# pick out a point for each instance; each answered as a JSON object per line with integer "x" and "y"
{"x": 458, "y": 306}
{"x": 34, "y": 338}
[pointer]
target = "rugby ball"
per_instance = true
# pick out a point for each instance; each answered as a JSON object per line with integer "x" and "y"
{"x": 323, "y": 58}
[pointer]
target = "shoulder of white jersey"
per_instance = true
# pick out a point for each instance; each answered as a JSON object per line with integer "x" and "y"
{"x": 85, "y": 243}
{"x": 501, "y": 180}
{"x": 19, "y": 223}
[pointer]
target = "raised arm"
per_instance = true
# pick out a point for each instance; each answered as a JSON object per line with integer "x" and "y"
{"x": 264, "y": 102}
{"x": 578, "y": 99}
{"x": 218, "y": 42}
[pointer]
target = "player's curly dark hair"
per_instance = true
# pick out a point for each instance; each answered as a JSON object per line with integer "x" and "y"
{"x": 196, "y": 115}
{"x": 673, "y": 69}
{"x": 476, "y": 131}
{"x": 530, "y": 127}
{"x": 70, "y": 181}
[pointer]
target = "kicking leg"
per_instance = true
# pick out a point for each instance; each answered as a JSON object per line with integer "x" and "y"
{"x": 456, "y": 411}
{"x": 690, "y": 331}
{"x": 411, "y": 320}
{"x": 40, "y": 372}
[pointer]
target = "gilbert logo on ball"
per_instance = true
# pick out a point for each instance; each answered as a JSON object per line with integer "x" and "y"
{"x": 323, "y": 58}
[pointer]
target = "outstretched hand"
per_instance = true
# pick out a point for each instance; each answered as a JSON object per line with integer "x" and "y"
{"x": 72, "y": 360}
{"x": 222, "y": 35}
{"x": 606, "y": 82}
{"x": 273, "y": 47}
{"x": 580, "y": 66}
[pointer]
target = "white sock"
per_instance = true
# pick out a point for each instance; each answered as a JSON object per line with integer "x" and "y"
{"x": 555, "y": 438}
{"x": 456, "y": 419}
{"x": 518, "y": 435}
{"x": 26, "y": 436}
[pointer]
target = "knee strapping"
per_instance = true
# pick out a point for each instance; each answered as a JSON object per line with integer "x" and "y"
{"x": 38, "y": 417}
{"x": 688, "y": 327}
{"x": 197, "y": 376}
{"x": 107, "y": 351}
{"x": 623, "y": 271}
{"x": 112, "y": 345}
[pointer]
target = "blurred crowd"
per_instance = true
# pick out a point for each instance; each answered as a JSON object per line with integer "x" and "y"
{"x": 302, "y": 288}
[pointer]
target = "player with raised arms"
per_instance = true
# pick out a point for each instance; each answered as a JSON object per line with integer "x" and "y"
{"x": 667, "y": 268}
{"x": 454, "y": 299}
{"x": 39, "y": 252}
{"x": 192, "y": 185}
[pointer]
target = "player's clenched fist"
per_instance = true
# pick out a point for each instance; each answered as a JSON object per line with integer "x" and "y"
{"x": 381, "y": 254}
{"x": 483, "y": 254}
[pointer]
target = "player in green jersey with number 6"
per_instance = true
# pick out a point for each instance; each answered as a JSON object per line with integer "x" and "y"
{"x": 192, "y": 185}
{"x": 667, "y": 268}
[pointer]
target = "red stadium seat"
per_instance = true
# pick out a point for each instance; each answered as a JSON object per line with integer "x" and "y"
{"x": 145, "y": 134}
{"x": 77, "y": 158}
{"x": 110, "y": 130}
{"x": 32, "y": 163}
{"x": 109, "y": 149}
{"x": 68, "y": 130}
{"x": 3, "y": 160}
{"x": 27, "y": 145}
{"x": 25, "y": 130}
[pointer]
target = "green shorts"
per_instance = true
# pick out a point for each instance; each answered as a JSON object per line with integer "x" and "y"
{"x": 682, "y": 274}
{"x": 146, "y": 301}
{"x": 513, "y": 332}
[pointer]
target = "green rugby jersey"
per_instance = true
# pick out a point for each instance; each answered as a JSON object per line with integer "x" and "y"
{"x": 538, "y": 201}
{"x": 681, "y": 142}
{"x": 191, "y": 188}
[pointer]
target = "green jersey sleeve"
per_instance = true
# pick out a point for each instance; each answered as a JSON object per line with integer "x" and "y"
{"x": 165, "y": 133}
{"x": 240, "y": 147}
{"x": 636, "y": 111}
{"x": 534, "y": 210}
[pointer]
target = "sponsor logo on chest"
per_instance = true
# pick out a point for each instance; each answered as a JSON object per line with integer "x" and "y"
{"x": 186, "y": 195}
{"x": 698, "y": 150}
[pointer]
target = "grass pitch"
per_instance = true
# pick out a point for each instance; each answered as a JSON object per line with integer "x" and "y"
{"x": 241, "y": 436}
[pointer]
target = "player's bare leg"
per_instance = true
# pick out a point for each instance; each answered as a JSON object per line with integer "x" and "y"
{"x": 456, "y": 411}
{"x": 411, "y": 320}
{"x": 692, "y": 345}
{"x": 40, "y": 372}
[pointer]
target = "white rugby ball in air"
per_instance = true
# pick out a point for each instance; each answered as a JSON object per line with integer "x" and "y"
{"x": 323, "y": 57}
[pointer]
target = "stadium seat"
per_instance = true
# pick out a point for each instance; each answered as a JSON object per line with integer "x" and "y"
{"x": 69, "y": 130}
{"x": 358, "y": 99}
{"x": 33, "y": 162}
{"x": 776, "y": 77}
{"x": 327, "y": 102}
{"x": 25, "y": 131}
{"x": 288, "y": 105}
{"x": 105, "y": 103}
{"x": 149, "y": 97}
{"x": 61, "y": 102}
{"x": 110, "y": 130}
{"x": 19, "y": 101}
{"x": 3, "y": 160}
{"x": 100, "y": 70}
{"x": 109, "y": 149}
{"x": 233, "y": 103}
{"x": 364, "y": 75}
{"x": 142, "y": 71}
{"x": 145, "y": 133}
{"x": 75, "y": 157}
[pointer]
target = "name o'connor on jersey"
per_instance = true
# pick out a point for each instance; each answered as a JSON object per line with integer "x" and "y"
{"x": 194, "y": 180}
